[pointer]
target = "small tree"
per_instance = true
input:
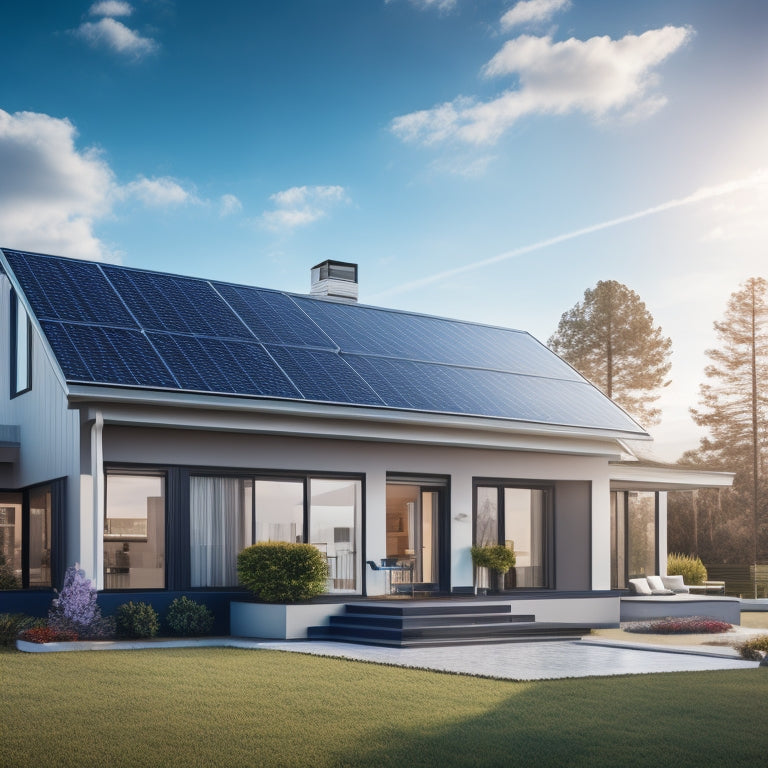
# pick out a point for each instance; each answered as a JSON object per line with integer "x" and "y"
{"x": 76, "y": 609}
{"x": 611, "y": 339}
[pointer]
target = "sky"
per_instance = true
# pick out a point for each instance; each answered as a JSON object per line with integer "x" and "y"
{"x": 487, "y": 161}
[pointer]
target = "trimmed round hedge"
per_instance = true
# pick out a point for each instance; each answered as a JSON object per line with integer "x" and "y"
{"x": 280, "y": 572}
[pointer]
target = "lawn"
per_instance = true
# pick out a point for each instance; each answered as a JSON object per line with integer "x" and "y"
{"x": 229, "y": 707}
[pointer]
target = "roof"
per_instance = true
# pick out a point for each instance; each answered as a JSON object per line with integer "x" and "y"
{"x": 111, "y": 325}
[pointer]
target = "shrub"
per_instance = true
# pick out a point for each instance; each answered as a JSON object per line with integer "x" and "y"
{"x": 689, "y": 567}
{"x": 496, "y": 557}
{"x": 13, "y": 623}
{"x": 76, "y": 610}
{"x": 679, "y": 626}
{"x": 754, "y": 649}
{"x": 47, "y": 635}
{"x": 136, "y": 620}
{"x": 278, "y": 572}
{"x": 186, "y": 617}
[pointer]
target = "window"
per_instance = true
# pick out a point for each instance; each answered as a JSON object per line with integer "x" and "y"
{"x": 518, "y": 518}
{"x": 134, "y": 531}
{"x": 228, "y": 514}
{"x": 25, "y": 538}
{"x": 21, "y": 348}
{"x": 642, "y": 559}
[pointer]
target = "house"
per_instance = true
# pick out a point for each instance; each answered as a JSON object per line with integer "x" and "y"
{"x": 152, "y": 425}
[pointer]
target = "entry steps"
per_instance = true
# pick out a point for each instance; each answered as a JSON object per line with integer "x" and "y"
{"x": 420, "y": 623}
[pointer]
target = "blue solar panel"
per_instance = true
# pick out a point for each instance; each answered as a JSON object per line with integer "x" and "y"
{"x": 448, "y": 389}
{"x": 68, "y": 289}
{"x": 108, "y": 355}
{"x": 197, "y": 336}
{"x": 177, "y": 304}
{"x": 273, "y": 317}
{"x": 323, "y": 376}
{"x": 213, "y": 365}
{"x": 370, "y": 331}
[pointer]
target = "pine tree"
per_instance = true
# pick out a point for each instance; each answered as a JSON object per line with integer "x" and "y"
{"x": 734, "y": 403}
{"x": 611, "y": 339}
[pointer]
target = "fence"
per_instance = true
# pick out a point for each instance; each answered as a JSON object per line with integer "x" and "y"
{"x": 741, "y": 580}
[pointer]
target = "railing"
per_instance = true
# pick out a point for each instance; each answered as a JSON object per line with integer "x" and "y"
{"x": 741, "y": 580}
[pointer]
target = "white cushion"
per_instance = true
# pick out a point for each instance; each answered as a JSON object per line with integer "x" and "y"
{"x": 675, "y": 583}
{"x": 640, "y": 586}
{"x": 657, "y": 586}
{"x": 655, "y": 582}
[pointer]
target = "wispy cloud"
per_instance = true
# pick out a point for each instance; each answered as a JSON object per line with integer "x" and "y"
{"x": 111, "y": 8}
{"x": 755, "y": 181}
{"x": 299, "y": 206}
{"x": 159, "y": 192}
{"x": 113, "y": 35}
{"x": 440, "y": 5}
{"x": 597, "y": 77}
{"x": 229, "y": 205}
{"x": 530, "y": 11}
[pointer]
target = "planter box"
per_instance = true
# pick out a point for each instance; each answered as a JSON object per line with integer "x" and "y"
{"x": 279, "y": 621}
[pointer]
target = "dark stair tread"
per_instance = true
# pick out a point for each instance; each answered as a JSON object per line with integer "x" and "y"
{"x": 431, "y": 619}
{"x": 402, "y": 609}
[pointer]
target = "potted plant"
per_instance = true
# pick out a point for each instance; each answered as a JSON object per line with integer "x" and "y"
{"x": 496, "y": 558}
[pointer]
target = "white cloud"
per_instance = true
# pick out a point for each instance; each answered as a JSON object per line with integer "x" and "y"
{"x": 299, "y": 206}
{"x": 111, "y": 8}
{"x": 50, "y": 193}
{"x": 528, "y": 11}
{"x": 441, "y": 5}
{"x": 596, "y": 76}
{"x": 159, "y": 192}
{"x": 229, "y": 205}
{"x": 114, "y": 35}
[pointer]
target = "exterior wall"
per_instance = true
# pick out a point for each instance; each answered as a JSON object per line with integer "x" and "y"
{"x": 129, "y": 445}
{"x": 50, "y": 431}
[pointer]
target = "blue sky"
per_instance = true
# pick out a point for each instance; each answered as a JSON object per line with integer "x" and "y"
{"x": 481, "y": 160}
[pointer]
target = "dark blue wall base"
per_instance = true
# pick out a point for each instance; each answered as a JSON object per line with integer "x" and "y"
{"x": 37, "y": 603}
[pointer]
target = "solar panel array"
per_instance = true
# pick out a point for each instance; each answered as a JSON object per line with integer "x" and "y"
{"x": 116, "y": 326}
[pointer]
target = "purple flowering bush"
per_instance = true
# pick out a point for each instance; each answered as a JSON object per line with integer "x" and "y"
{"x": 75, "y": 609}
{"x": 681, "y": 625}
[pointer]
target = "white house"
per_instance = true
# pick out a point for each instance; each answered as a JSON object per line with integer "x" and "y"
{"x": 152, "y": 425}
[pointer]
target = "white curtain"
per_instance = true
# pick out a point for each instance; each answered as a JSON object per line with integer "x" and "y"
{"x": 219, "y": 529}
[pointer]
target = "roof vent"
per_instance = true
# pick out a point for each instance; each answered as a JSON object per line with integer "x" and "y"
{"x": 335, "y": 280}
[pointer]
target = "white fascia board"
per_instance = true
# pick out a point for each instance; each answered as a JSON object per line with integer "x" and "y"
{"x": 336, "y": 422}
{"x": 638, "y": 477}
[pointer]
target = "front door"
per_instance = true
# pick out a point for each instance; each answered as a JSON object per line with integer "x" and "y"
{"x": 415, "y": 531}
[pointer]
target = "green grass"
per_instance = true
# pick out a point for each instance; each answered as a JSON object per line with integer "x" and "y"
{"x": 229, "y": 707}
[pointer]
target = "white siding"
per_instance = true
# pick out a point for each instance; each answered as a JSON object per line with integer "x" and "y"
{"x": 49, "y": 429}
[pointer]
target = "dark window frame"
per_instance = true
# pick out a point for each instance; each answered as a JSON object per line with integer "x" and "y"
{"x": 15, "y": 391}
{"x": 548, "y": 523}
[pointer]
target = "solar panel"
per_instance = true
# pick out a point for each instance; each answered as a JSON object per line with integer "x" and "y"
{"x": 273, "y": 317}
{"x": 162, "y": 302}
{"x": 198, "y": 336}
{"x": 67, "y": 289}
{"x": 107, "y": 355}
{"x": 449, "y": 389}
{"x": 324, "y": 376}
{"x": 215, "y": 365}
{"x": 370, "y": 331}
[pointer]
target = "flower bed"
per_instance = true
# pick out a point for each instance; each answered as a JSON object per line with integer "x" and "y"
{"x": 681, "y": 625}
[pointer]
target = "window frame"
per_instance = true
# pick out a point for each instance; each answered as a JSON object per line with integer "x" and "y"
{"x": 548, "y": 521}
{"x": 16, "y": 308}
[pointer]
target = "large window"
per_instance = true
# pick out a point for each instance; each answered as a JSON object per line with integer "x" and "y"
{"x": 634, "y": 536}
{"x": 134, "y": 531}
{"x": 21, "y": 348}
{"x": 221, "y": 512}
{"x": 25, "y": 538}
{"x": 516, "y": 517}
{"x": 230, "y": 513}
